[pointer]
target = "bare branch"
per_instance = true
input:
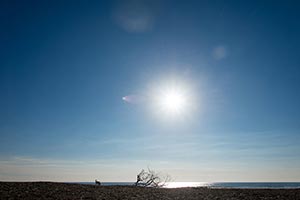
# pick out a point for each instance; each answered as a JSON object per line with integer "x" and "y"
{"x": 151, "y": 178}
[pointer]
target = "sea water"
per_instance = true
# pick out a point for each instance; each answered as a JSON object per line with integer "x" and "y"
{"x": 214, "y": 184}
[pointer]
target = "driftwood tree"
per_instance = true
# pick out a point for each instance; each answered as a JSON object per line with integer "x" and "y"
{"x": 150, "y": 178}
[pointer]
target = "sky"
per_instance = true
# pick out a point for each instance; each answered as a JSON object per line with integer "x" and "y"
{"x": 83, "y": 89}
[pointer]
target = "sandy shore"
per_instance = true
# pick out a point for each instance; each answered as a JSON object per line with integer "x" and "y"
{"x": 49, "y": 190}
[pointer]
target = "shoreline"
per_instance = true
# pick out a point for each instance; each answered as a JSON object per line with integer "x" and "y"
{"x": 212, "y": 185}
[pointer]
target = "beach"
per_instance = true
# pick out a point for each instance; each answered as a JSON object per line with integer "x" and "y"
{"x": 68, "y": 191}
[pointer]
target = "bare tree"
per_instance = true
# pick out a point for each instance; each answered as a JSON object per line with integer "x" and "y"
{"x": 150, "y": 178}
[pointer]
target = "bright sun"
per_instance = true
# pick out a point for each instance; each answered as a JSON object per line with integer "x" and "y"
{"x": 173, "y": 98}
{"x": 173, "y": 102}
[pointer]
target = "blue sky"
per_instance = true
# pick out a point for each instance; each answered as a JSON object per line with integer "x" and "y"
{"x": 65, "y": 67}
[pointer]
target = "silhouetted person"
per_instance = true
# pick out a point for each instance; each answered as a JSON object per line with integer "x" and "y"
{"x": 97, "y": 182}
{"x": 138, "y": 179}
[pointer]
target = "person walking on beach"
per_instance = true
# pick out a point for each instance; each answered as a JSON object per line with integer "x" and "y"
{"x": 97, "y": 182}
{"x": 138, "y": 179}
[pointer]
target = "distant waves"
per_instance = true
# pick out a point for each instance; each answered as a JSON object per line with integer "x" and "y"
{"x": 214, "y": 184}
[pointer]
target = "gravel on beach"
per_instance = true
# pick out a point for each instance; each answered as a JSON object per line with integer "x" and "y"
{"x": 67, "y": 191}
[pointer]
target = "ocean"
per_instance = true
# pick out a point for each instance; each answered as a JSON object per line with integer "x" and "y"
{"x": 215, "y": 184}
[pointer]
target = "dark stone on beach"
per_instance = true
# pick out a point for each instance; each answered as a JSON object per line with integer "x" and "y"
{"x": 65, "y": 191}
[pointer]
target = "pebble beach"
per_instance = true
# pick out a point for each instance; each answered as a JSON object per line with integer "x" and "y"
{"x": 67, "y": 191}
